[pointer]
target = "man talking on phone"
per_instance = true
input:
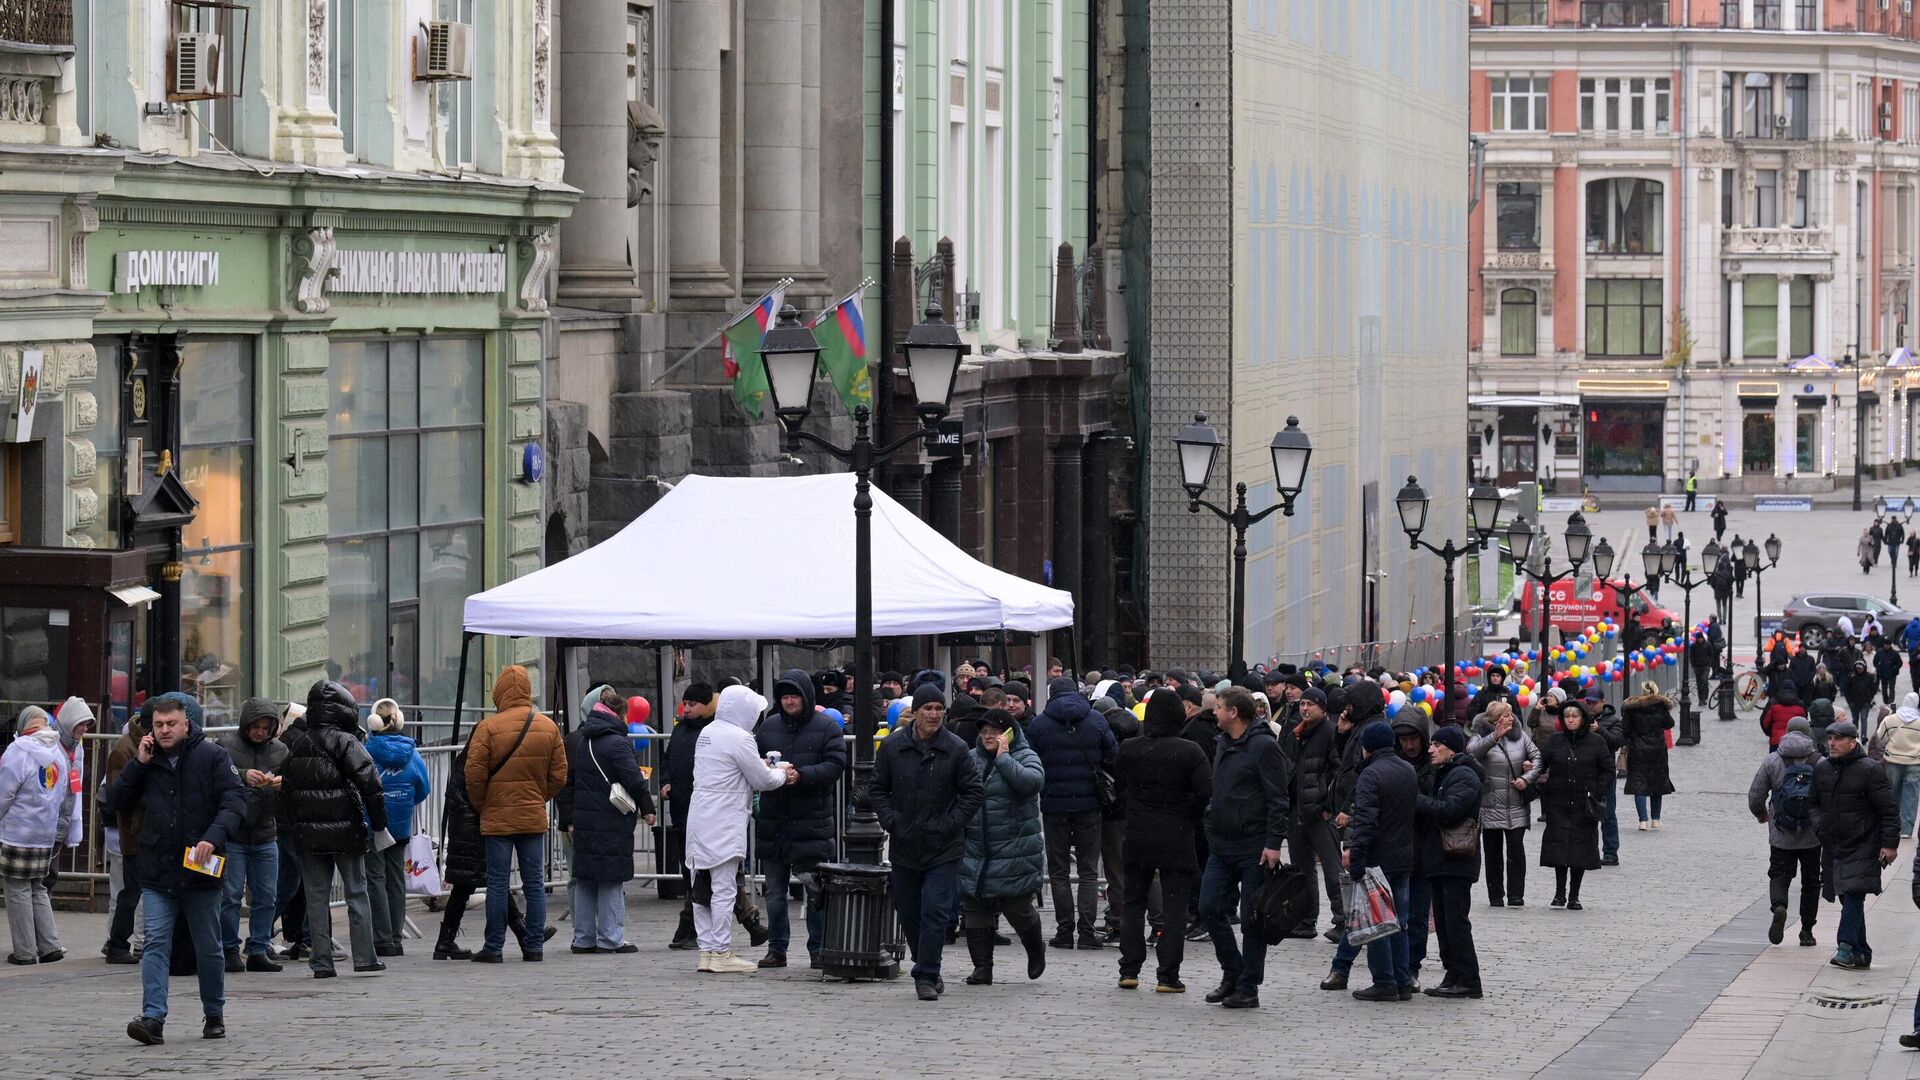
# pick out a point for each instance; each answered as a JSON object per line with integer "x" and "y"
{"x": 191, "y": 799}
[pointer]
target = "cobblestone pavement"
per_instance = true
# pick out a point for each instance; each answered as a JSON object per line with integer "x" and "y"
{"x": 1555, "y": 980}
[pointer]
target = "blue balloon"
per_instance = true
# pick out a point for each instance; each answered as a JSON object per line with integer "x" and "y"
{"x": 894, "y": 709}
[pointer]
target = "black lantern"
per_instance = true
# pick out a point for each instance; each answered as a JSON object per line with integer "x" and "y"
{"x": 1520, "y": 539}
{"x": 1199, "y": 445}
{"x": 1603, "y": 559}
{"x": 791, "y": 354}
{"x": 1412, "y": 503}
{"x": 934, "y": 350}
{"x": 1579, "y": 540}
{"x": 1291, "y": 450}
{"x": 1483, "y": 510}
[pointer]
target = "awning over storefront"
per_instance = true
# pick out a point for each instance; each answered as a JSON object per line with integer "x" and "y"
{"x": 1525, "y": 401}
{"x": 1902, "y": 358}
{"x": 134, "y": 595}
{"x": 1813, "y": 362}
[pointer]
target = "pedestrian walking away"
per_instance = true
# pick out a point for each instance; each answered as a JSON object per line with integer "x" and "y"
{"x": 1653, "y": 524}
{"x": 334, "y": 804}
{"x": 1645, "y": 722}
{"x": 1073, "y": 742}
{"x": 191, "y": 801}
{"x": 1004, "y": 855}
{"x": 1896, "y": 744}
{"x": 1859, "y": 828}
{"x": 1781, "y": 797}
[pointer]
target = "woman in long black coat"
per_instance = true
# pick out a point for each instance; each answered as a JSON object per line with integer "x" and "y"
{"x": 1576, "y": 771}
{"x": 1645, "y": 722}
{"x": 600, "y": 755}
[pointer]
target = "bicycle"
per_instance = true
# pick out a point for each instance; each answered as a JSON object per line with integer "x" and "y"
{"x": 1748, "y": 689}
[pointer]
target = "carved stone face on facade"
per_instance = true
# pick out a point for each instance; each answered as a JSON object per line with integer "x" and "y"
{"x": 645, "y": 129}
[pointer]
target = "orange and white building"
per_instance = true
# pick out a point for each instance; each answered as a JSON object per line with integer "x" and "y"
{"x": 1694, "y": 242}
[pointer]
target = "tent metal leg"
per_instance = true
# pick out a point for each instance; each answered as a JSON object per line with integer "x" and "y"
{"x": 1039, "y": 673}
{"x": 663, "y": 709}
{"x": 460, "y": 687}
{"x": 943, "y": 663}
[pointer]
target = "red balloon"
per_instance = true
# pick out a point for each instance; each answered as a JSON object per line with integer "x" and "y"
{"x": 638, "y": 710}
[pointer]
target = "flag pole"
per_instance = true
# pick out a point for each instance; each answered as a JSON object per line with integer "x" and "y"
{"x": 858, "y": 290}
{"x": 721, "y": 329}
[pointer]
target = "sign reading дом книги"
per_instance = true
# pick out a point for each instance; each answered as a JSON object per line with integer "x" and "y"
{"x": 418, "y": 272}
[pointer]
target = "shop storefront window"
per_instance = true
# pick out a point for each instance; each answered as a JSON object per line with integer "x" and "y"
{"x": 216, "y": 464}
{"x": 404, "y": 508}
{"x": 1806, "y": 442}
{"x": 1756, "y": 443}
{"x": 1624, "y": 438}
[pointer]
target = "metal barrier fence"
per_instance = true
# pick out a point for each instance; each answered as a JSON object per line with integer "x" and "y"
{"x": 1421, "y": 650}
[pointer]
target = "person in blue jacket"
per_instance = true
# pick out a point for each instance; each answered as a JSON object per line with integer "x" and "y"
{"x": 1381, "y": 835}
{"x": 403, "y": 779}
{"x": 1073, "y": 741}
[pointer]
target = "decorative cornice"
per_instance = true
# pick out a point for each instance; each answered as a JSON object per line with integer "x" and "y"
{"x": 313, "y": 253}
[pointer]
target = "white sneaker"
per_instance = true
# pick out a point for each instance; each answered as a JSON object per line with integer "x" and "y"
{"x": 1657, "y": 825}
{"x": 1643, "y": 826}
{"x": 726, "y": 963}
{"x": 706, "y": 961}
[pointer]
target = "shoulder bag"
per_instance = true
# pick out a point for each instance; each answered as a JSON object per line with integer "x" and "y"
{"x": 617, "y": 796}
{"x": 1106, "y": 790}
{"x": 1513, "y": 773}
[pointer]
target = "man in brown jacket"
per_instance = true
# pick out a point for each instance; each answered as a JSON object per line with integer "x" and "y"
{"x": 126, "y": 893}
{"x": 516, "y": 764}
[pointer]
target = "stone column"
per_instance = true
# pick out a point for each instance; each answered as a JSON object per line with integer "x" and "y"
{"x": 1822, "y": 283}
{"x": 1064, "y": 460}
{"x": 595, "y": 270}
{"x": 1783, "y": 315}
{"x": 781, "y": 171}
{"x": 1736, "y": 315}
{"x": 697, "y": 36}
{"x": 1785, "y": 413}
{"x": 1094, "y": 607}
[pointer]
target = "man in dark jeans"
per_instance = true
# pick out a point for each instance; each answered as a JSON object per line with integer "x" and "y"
{"x": 794, "y": 825}
{"x": 119, "y": 946}
{"x": 925, "y": 790}
{"x": 1308, "y": 745}
{"x": 1247, "y": 820}
{"x": 1073, "y": 741}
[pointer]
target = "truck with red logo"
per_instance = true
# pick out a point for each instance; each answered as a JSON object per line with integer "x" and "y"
{"x": 1582, "y": 602}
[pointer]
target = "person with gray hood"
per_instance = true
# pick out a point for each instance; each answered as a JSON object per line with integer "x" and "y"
{"x": 1781, "y": 797}
{"x": 36, "y": 803}
{"x": 253, "y": 851}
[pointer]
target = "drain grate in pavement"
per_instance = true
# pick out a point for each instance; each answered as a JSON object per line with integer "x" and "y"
{"x": 1830, "y": 1001}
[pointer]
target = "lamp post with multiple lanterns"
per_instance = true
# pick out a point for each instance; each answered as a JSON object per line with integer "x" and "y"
{"x": 1579, "y": 539}
{"x": 1674, "y": 567}
{"x": 1483, "y": 511}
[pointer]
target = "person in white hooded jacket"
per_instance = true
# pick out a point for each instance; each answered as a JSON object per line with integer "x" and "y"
{"x": 36, "y": 807}
{"x": 727, "y": 770}
{"x": 1896, "y": 743}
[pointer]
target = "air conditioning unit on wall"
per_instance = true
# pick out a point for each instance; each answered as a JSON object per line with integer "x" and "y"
{"x": 444, "y": 53}
{"x": 196, "y": 66}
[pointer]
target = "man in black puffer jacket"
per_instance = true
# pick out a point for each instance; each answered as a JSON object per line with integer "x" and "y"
{"x": 1072, "y": 740}
{"x": 1308, "y": 745}
{"x": 1859, "y": 826}
{"x": 1165, "y": 781}
{"x": 1454, "y": 796}
{"x": 795, "y": 824}
{"x": 1247, "y": 822}
{"x": 330, "y": 797}
{"x": 189, "y": 796}
{"x": 1381, "y": 835}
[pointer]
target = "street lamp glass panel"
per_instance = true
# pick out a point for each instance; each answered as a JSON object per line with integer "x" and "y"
{"x": 1291, "y": 451}
{"x": 1773, "y": 549}
{"x": 1483, "y": 509}
{"x": 1672, "y": 561}
{"x": 1652, "y": 560}
{"x": 1739, "y": 555}
{"x": 1753, "y": 555}
{"x": 1711, "y": 555}
{"x": 1579, "y": 540}
{"x": 1412, "y": 503}
{"x": 934, "y": 351}
{"x": 1520, "y": 539}
{"x": 1199, "y": 445}
{"x": 1603, "y": 560}
{"x": 791, "y": 355}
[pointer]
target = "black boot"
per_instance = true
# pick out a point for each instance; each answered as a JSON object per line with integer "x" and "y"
{"x": 446, "y": 948}
{"x": 756, "y": 929}
{"x": 683, "y": 936}
{"x": 517, "y": 925}
{"x": 1035, "y": 942}
{"x": 980, "y": 947}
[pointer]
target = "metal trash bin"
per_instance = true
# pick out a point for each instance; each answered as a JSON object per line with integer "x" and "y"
{"x": 861, "y": 939}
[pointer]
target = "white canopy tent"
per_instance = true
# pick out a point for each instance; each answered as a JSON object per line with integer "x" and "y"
{"x": 723, "y": 559}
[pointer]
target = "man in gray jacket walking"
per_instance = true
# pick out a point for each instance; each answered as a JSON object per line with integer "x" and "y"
{"x": 253, "y": 851}
{"x": 1781, "y": 796}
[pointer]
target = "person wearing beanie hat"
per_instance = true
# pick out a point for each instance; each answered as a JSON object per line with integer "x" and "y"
{"x": 192, "y": 802}
{"x": 36, "y": 806}
{"x": 253, "y": 851}
{"x": 1019, "y": 696}
{"x": 1859, "y": 816}
{"x": 1005, "y": 855}
{"x": 403, "y": 777}
{"x": 1381, "y": 835}
{"x": 1308, "y": 744}
{"x": 123, "y": 844}
{"x": 328, "y": 778}
{"x": 1455, "y": 799}
{"x": 794, "y": 825}
{"x": 925, "y": 789}
{"x": 1645, "y": 722}
{"x": 1074, "y": 742}
{"x": 1167, "y": 781}
{"x": 1781, "y": 797}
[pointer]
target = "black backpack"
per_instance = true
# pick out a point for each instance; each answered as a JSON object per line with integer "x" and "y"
{"x": 1286, "y": 900}
{"x": 1792, "y": 808}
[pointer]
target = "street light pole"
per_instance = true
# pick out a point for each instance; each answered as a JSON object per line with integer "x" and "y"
{"x": 1681, "y": 576}
{"x": 1483, "y": 508}
{"x": 1759, "y": 607}
{"x": 1199, "y": 446}
{"x": 1520, "y": 538}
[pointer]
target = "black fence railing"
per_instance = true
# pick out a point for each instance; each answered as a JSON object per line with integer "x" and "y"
{"x": 37, "y": 22}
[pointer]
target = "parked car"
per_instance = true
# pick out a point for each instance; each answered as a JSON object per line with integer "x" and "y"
{"x": 1823, "y": 611}
{"x": 1582, "y": 602}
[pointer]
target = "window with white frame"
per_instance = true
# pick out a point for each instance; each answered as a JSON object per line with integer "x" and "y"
{"x": 1637, "y": 105}
{"x": 454, "y": 100}
{"x": 1803, "y": 181}
{"x": 1862, "y": 109}
{"x": 990, "y": 209}
{"x": 1766, "y": 198}
{"x": 1909, "y": 113}
{"x": 1519, "y": 102}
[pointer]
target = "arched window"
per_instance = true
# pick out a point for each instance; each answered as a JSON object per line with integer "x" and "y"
{"x": 1624, "y": 216}
{"x": 1519, "y": 322}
